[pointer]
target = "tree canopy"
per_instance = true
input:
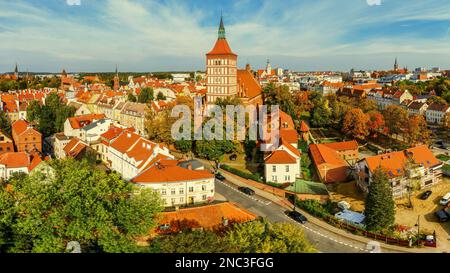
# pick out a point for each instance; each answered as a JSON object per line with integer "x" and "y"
{"x": 100, "y": 211}
{"x": 379, "y": 205}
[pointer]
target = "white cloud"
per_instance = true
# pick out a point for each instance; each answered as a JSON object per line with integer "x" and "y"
{"x": 145, "y": 34}
{"x": 73, "y": 2}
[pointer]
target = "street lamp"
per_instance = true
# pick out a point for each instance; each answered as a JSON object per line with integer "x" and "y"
{"x": 418, "y": 228}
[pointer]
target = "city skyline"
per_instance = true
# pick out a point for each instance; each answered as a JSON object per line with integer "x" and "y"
{"x": 146, "y": 36}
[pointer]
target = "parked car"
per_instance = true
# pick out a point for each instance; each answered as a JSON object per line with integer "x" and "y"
{"x": 442, "y": 215}
{"x": 425, "y": 195}
{"x": 246, "y": 190}
{"x": 233, "y": 157}
{"x": 220, "y": 177}
{"x": 297, "y": 216}
{"x": 445, "y": 200}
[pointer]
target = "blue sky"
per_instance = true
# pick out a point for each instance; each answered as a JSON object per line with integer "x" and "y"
{"x": 161, "y": 35}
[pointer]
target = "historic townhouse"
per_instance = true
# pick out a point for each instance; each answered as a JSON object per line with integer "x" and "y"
{"x": 26, "y": 138}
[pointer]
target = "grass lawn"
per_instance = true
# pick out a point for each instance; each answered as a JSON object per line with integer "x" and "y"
{"x": 443, "y": 157}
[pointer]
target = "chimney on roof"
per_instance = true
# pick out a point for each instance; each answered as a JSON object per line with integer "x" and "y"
{"x": 248, "y": 67}
{"x": 189, "y": 166}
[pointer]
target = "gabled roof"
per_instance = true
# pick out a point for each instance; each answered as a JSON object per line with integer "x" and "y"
{"x": 342, "y": 146}
{"x": 280, "y": 157}
{"x": 289, "y": 135}
{"x": 438, "y": 107}
{"x": 74, "y": 147}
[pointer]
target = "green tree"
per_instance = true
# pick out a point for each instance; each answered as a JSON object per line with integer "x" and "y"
{"x": 321, "y": 113}
{"x": 160, "y": 96}
{"x": 145, "y": 95}
{"x": 63, "y": 113}
{"x": 265, "y": 237}
{"x": 33, "y": 110}
{"x": 5, "y": 123}
{"x": 213, "y": 149}
{"x": 183, "y": 145}
{"x": 101, "y": 211}
{"x": 281, "y": 96}
{"x": 132, "y": 97}
{"x": 379, "y": 205}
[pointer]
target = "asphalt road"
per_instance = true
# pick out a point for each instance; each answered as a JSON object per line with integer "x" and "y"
{"x": 323, "y": 240}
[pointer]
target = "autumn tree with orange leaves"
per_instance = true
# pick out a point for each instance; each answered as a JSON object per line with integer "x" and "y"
{"x": 355, "y": 124}
{"x": 416, "y": 130}
{"x": 375, "y": 123}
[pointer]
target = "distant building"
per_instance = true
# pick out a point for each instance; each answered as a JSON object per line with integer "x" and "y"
{"x": 436, "y": 112}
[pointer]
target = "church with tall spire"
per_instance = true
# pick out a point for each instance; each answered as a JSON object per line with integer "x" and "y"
{"x": 116, "y": 80}
{"x": 224, "y": 79}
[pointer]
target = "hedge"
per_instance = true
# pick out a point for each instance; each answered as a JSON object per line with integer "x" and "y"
{"x": 251, "y": 176}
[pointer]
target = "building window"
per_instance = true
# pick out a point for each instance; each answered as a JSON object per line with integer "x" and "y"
{"x": 173, "y": 201}
{"x": 203, "y": 187}
{"x": 181, "y": 200}
{"x": 287, "y": 168}
{"x": 163, "y": 192}
{"x": 173, "y": 192}
{"x": 181, "y": 190}
{"x": 274, "y": 178}
{"x": 191, "y": 189}
{"x": 204, "y": 197}
{"x": 287, "y": 178}
{"x": 274, "y": 168}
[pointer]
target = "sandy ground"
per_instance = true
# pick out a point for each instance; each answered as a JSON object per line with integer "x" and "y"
{"x": 424, "y": 209}
{"x": 405, "y": 216}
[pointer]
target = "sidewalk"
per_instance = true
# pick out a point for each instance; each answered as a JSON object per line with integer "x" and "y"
{"x": 239, "y": 181}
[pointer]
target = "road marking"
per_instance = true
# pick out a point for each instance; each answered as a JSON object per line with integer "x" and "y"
{"x": 325, "y": 236}
{"x": 265, "y": 203}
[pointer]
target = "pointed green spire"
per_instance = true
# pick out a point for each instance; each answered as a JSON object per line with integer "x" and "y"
{"x": 221, "y": 29}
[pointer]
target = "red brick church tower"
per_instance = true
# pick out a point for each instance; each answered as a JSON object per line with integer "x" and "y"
{"x": 221, "y": 69}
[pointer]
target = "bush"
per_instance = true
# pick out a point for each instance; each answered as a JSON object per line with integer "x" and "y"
{"x": 315, "y": 208}
{"x": 251, "y": 176}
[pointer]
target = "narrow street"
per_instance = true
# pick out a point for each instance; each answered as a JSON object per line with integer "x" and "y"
{"x": 324, "y": 241}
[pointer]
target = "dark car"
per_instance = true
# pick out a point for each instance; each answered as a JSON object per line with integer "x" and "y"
{"x": 220, "y": 177}
{"x": 425, "y": 195}
{"x": 442, "y": 215}
{"x": 297, "y": 216}
{"x": 233, "y": 157}
{"x": 246, "y": 190}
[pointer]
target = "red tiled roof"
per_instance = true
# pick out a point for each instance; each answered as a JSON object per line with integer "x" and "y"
{"x": 19, "y": 126}
{"x": 304, "y": 127}
{"x": 342, "y": 146}
{"x": 280, "y": 157}
{"x": 248, "y": 83}
{"x": 207, "y": 217}
{"x": 125, "y": 141}
{"x": 394, "y": 163}
{"x": 166, "y": 171}
{"x": 81, "y": 121}
{"x": 289, "y": 135}
{"x": 221, "y": 48}
{"x": 15, "y": 160}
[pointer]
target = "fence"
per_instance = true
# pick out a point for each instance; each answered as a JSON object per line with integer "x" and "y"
{"x": 388, "y": 240}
